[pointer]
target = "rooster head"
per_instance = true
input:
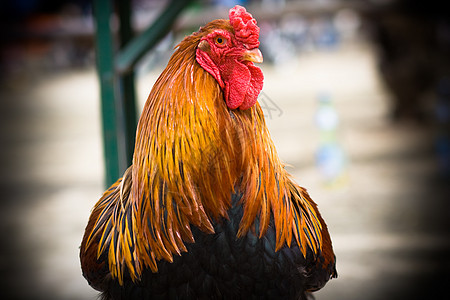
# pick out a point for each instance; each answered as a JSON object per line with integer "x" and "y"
{"x": 227, "y": 50}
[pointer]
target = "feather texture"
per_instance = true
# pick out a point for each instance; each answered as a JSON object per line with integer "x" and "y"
{"x": 192, "y": 154}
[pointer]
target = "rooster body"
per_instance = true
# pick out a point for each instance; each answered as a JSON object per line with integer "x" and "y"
{"x": 207, "y": 210}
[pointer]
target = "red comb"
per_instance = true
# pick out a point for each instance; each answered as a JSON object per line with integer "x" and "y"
{"x": 245, "y": 27}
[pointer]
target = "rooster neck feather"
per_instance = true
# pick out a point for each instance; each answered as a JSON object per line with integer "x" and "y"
{"x": 191, "y": 154}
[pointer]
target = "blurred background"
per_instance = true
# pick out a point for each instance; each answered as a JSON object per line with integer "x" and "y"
{"x": 356, "y": 97}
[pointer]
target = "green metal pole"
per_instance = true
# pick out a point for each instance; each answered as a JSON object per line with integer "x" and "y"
{"x": 105, "y": 67}
{"x": 136, "y": 48}
{"x": 117, "y": 77}
{"x": 126, "y": 84}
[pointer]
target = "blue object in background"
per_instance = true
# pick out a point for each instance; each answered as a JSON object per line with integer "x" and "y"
{"x": 330, "y": 157}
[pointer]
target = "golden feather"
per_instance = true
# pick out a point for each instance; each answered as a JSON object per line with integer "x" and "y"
{"x": 191, "y": 154}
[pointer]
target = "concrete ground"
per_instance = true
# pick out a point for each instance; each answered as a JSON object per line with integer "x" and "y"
{"x": 388, "y": 212}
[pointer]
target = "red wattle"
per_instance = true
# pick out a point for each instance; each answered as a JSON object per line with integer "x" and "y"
{"x": 236, "y": 85}
{"x": 242, "y": 85}
{"x": 254, "y": 87}
{"x": 241, "y": 82}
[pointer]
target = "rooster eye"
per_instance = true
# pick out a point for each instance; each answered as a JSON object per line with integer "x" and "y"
{"x": 221, "y": 40}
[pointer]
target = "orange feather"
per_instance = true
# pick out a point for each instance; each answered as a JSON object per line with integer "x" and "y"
{"x": 191, "y": 154}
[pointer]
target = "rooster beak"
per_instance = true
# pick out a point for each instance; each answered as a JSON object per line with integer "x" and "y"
{"x": 253, "y": 55}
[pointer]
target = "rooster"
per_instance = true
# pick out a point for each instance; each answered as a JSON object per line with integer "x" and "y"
{"x": 207, "y": 210}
